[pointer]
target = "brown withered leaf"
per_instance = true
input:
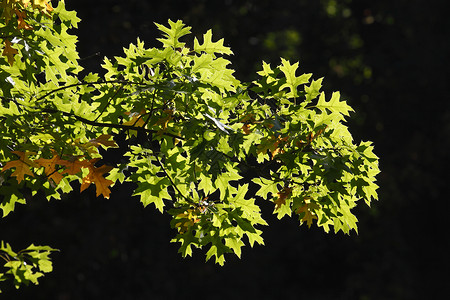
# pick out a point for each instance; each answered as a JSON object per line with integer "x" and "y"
{"x": 9, "y": 52}
{"x": 282, "y": 196}
{"x": 95, "y": 176}
{"x": 21, "y": 165}
{"x": 308, "y": 216}
{"x": 73, "y": 164}
{"x": 50, "y": 167}
{"x": 104, "y": 139}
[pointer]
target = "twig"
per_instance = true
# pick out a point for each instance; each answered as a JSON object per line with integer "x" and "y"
{"x": 109, "y": 101}
{"x": 171, "y": 181}
{"x": 109, "y": 125}
{"x": 88, "y": 83}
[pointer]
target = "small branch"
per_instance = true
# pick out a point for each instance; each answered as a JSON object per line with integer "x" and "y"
{"x": 109, "y": 101}
{"x": 90, "y": 56}
{"x": 5, "y": 258}
{"x": 109, "y": 125}
{"x": 88, "y": 83}
{"x": 151, "y": 111}
{"x": 171, "y": 181}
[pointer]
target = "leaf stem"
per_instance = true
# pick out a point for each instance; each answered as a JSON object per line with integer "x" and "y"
{"x": 5, "y": 258}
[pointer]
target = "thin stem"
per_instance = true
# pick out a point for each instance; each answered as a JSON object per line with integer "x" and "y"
{"x": 5, "y": 258}
{"x": 109, "y": 125}
{"x": 171, "y": 181}
{"x": 109, "y": 101}
{"x": 88, "y": 83}
{"x": 151, "y": 111}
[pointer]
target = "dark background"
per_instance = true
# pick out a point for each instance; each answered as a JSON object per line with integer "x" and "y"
{"x": 390, "y": 61}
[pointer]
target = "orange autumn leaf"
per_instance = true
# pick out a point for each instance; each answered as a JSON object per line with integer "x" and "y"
{"x": 9, "y": 52}
{"x": 246, "y": 128}
{"x": 104, "y": 140}
{"x": 282, "y": 196}
{"x": 22, "y": 165}
{"x": 273, "y": 144}
{"x": 320, "y": 131}
{"x": 275, "y": 149}
{"x": 311, "y": 136}
{"x": 164, "y": 121}
{"x": 248, "y": 118}
{"x": 188, "y": 219}
{"x": 42, "y": 5}
{"x": 268, "y": 124}
{"x": 95, "y": 176}
{"x": 73, "y": 165}
{"x": 48, "y": 7}
{"x": 50, "y": 168}
{"x": 308, "y": 216}
{"x": 21, "y": 24}
{"x": 136, "y": 119}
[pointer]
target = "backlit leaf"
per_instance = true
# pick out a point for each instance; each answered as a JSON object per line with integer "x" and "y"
{"x": 95, "y": 176}
{"x": 209, "y": 46}
{"x": 172, "y": 34}
{"x": 188, "y": 135}
{"x": 21, "y": 165}
{"x": 9, "y": 52}
{"x": 73, "y": 165}
{"x": 104, "y": 140}
{"x": 334, "y": 105}
{"x": 292, "y": 81}
{"x": 305, "y": 214}
{"x": 50, "y": 167}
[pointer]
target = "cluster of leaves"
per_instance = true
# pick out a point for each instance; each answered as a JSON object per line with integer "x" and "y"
{"x": 26, "y": 265}
{"x": 188, "y": 127}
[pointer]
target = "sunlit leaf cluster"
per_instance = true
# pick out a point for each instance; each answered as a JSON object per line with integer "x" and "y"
{"x": 196, "y": 142}
{"x": 27, "y": 265}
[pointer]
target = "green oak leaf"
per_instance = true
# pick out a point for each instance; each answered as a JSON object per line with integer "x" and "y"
{"x": 209, "y": 46}
{"x": 334, "y": 105}
{"x": 292, "y": 81}
{"x": 171, "y": 35}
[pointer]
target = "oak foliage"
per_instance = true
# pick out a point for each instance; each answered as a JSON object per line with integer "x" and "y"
{"x": 190, "y": 130}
